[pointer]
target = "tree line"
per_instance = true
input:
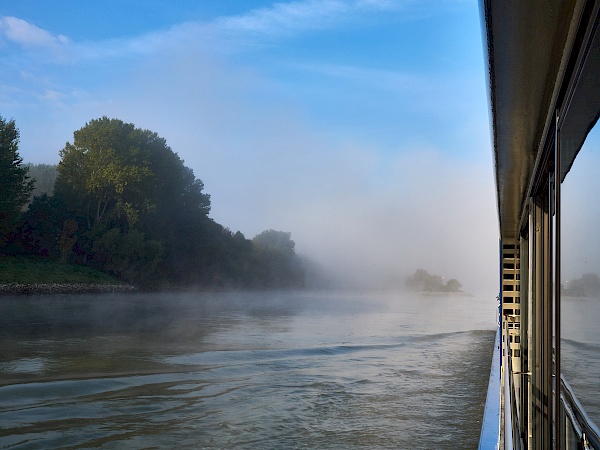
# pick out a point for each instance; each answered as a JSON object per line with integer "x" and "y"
{"x": 124, "y": 202}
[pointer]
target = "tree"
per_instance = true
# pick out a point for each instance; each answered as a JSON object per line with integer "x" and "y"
{"x": 43, "y": 223}
{"x": 422, "y": 281}
{"x": 277, "y": 263}
{"x": 103, "y": 176}
{"x": 587, "y": 285}
{"x": 453, "y": 285}
{"x": 129, "y": 256}
{"x": 134, "y": 199}
{"x": 15, "y": 185}
{"x": 44, "y": 176}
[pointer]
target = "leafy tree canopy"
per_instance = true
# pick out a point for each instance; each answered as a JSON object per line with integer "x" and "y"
{"x": 102, "y": 175}
{"x": 114, "y": 174}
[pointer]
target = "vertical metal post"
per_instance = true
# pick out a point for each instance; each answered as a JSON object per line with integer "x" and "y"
{"x": 557, "y": 334}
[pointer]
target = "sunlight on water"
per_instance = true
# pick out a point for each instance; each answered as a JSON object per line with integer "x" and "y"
{"x": 225, "y": 370}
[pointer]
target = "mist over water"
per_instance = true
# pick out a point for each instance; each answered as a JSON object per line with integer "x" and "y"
{"x": 244, "y": 370}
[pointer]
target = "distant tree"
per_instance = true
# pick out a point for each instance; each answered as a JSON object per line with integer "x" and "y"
{"x": 44, "y": 176}
{"x": 453, "y": 285}
{"x": 422, "y": 281}
{"x": 15, "y": 185}
{"x": 588, "y": 285}
{"x": 280, "y": 241}
{"x": 277, "y": 262}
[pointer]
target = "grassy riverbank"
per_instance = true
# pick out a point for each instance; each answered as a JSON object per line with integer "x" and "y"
{"x": 31, "y": 271}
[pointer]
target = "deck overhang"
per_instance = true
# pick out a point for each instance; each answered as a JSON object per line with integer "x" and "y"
{"x": 533, "y": 50}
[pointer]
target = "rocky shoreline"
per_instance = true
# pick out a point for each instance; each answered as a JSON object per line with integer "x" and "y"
{"x": 62, "y": 288}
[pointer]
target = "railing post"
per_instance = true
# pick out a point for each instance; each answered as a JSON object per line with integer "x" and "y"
{"x": 557, "y": 334}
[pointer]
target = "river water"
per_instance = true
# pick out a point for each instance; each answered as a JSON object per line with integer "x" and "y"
{"x": 244, "y": 370}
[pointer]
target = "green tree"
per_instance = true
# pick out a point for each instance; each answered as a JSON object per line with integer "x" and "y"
{"x": 15, "y": 185}
{"x": 103, "y": 176}
{"x": 135, "y": 199}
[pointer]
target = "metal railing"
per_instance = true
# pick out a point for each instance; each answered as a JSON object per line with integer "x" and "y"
{"x": 500, "y": 429}
{"x": 580, "y": 432}
{"x": 490, "y": 427}
{"x": 512, "y": 438}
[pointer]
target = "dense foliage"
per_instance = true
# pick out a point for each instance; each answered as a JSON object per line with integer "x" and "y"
{"x": 125, "y": 203}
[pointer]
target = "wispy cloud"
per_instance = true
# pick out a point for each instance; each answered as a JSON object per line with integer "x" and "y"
{"x": 28, "y": 35}
{"x": 231, "y": 33}
{"x": 225, "y": 33}
{"x": 289, "y": 17}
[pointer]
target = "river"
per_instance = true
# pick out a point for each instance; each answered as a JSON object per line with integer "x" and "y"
{"x": 244, "y": 370}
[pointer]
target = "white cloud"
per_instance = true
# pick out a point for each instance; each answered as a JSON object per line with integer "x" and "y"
{"x": 28, "y": 35}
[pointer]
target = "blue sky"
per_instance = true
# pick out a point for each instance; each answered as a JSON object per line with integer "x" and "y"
{"x": 356, "y": 124}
